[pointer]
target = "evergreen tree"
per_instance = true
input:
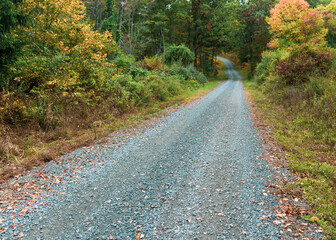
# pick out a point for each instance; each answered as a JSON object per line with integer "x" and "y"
{"x": 9, "y": 47}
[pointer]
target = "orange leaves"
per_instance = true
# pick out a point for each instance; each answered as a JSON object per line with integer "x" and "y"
{"x": 293, "y": 22}
{"x": 286, "y": 11}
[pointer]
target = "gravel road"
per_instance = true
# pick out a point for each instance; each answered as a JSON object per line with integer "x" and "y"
{"x": 194, "y": 174}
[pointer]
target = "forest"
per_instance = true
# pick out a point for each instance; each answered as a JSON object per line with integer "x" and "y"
{"x": 67, "y": 67}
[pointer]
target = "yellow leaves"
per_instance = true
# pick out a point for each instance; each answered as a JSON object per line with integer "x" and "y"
{"x": 293, "y": 22}
{"x": 315, "y": 219}
{"x": 62, "y": 50}
{"x": 61, "y": 26}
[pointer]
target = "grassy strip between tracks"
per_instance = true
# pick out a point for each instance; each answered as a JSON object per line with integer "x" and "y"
{"x": 38, "y": 147}
{"x": 310, "y": 158}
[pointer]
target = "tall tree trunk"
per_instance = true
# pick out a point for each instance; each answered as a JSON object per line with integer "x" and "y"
{"x": 164, "y": 49}
{"x": 121, "y": 11}
{"x": 129, "y": 32}
{"x": 132, "y": 26}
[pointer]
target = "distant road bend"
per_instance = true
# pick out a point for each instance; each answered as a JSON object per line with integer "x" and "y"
{"x": 195, "y": 174}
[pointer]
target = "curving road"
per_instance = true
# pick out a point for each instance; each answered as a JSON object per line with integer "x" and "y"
{"x": 194, "y": 174}
{"x": 230, "y": 69}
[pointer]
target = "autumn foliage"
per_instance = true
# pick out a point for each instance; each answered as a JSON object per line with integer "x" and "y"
{"x": 65, "y": 67}
{"x": 61, "y": 51}
{"x": 292, "y": 22}
{"x": 298, "y": 44}
{"x": 303, "y": 63}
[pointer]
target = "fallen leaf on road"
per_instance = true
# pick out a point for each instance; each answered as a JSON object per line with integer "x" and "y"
{"x": 276, "y": 222}
{"x": 139, "y": 236}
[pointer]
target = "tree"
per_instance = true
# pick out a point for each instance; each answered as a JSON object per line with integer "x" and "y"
{"x": 315, "y": 3}
{"x": 215, "y": 26}
{"x": 292, "y": 22}
{"x": 61, "y": 50}
{"x": 328, "y": 12}
{"x": 255, "y": 36}
{"x": 96, "y": 9}
{"x": 110, "y": 22}
{"x": 179, "y": 54}
{"x": 10, "y": 47}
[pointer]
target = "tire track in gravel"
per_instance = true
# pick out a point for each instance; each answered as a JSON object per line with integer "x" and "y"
{"x": 196, "y": 174}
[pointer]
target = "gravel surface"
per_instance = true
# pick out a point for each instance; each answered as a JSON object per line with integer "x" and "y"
{"x": 194, "y": 174}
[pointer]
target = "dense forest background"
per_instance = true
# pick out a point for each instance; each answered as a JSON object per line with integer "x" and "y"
{"x": 85, "y": 49}
{"x": 73, "y": 65}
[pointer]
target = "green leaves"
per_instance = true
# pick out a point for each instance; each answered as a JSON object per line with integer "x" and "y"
{"x": 180, "y": 54}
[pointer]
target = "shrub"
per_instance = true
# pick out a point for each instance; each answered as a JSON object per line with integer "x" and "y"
{"x": 192, "y": 83}
{"x": 116, "y": 89}
{"x": 12, "y": 108}
{"x": 303, "y": 63}
{"x": 174, "y": 85}
{"x": 268, "y": 63}
{"x": 124, "y": 62}
{"x": 180, "y": 54}
{"x": 188, "y": 72}
{"x": 152, "y": 63}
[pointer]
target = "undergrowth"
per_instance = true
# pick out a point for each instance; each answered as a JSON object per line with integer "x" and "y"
{"x": 60, "y": 124}
{"x": 304, "y": 127}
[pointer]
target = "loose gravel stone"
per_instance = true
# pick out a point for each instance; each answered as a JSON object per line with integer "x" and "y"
{"x": 194, "y": 174}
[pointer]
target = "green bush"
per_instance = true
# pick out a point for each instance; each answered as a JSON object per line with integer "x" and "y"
{"x": 268, "y": 62}
{"x": 174, "y": 85}
{"x": 180, "y": 53}
{"x": 187, "y": 72}
{"x": 321, "y": 99}
{"x": 124, "y": 62}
